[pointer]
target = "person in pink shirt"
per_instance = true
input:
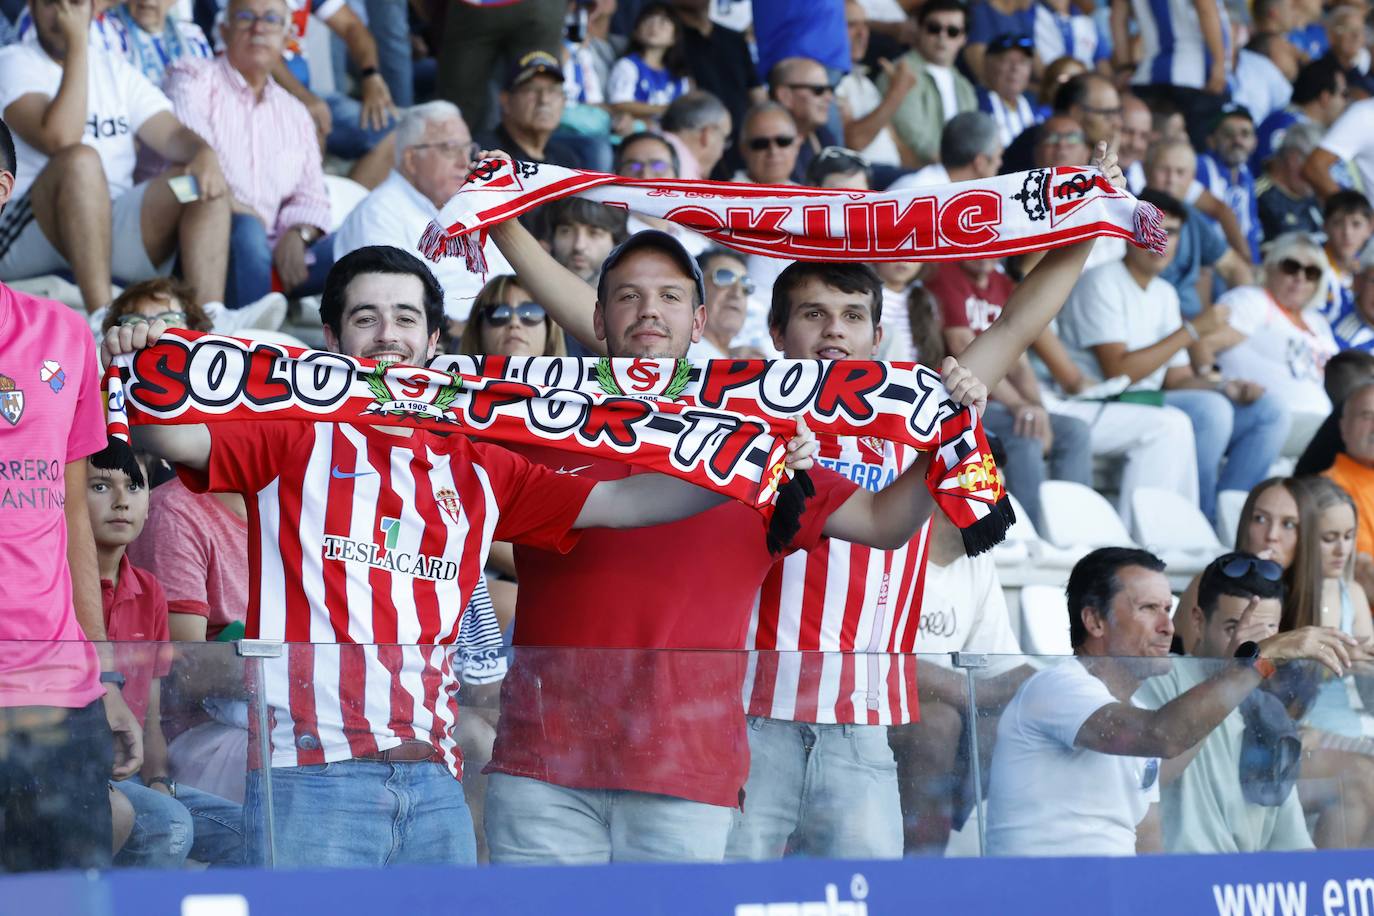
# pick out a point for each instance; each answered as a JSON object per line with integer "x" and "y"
{"x": 267, "y": 146}
{"x": 57, "y": 709}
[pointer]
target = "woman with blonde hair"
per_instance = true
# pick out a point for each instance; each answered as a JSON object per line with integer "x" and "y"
{"x": 506, "y": 322}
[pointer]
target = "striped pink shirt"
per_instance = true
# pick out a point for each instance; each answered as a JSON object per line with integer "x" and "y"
{"x": 267, "y": 146}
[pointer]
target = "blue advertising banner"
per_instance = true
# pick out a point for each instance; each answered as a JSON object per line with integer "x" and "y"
{"x": 1262, "y": 884}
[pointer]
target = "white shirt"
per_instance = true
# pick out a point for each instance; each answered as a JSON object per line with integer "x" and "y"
{"x": 1260, "y": 85}
{"x": 944, "y": 81}
{"x": 1108, "y": 306}
{"x": 862, "y": 96}
{"x": 1048, "y": 797}
{"x": 397, "y": 214}
{"x": 119, "y": 100}
{"x": 1351, "y": 140}
{"x": 897, "y": 345}
{"x": 964, "y": 610}
{"x": 924, "y": 177}
{"x": 1276, "y": 353}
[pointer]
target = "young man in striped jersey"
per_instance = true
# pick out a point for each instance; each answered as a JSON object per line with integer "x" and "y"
{"x": 640, "y": 753}
{"x": 373, "y": 538}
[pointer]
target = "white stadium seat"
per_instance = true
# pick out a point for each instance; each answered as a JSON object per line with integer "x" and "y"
{"x": 1174, "y": 529}
{"x": 1044, "y": 621}
{"x": 1230, "y": 503}
{"x": 1079, "y": 517}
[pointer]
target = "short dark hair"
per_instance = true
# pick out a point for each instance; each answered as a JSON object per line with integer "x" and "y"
{"x": 941, "y": 6}
{"x": 1094, "y": 583}
{"x": 1214, "y": 583}
{"x": 1345, "y": 371}
{"x": 1074, "y": 91}
{"x": 1345, "y": 203}
{"x": 715, "y": 251}
{"x": 571, "y": 210}
{"x": 379, "y": 259}
{"x": 117, "y": 455}
{"x": 1167, "y": 203}
{"x": 9, "y": 161}
{"x": 646, "y": 135}
{"x": 1315, "y": 78}
{"x": 847, "y": 278}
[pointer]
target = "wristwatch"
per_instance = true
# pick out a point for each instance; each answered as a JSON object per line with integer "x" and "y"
{"x": 365, "y": 72}
{"x": 113, "y": 677}
{"x": 309, "y": 234}
{"x": 1249, "y": 651}
{"x": 166, "y": 781}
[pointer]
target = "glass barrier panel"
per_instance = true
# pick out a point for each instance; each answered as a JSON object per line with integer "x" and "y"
{"x": 1120, "y": 756}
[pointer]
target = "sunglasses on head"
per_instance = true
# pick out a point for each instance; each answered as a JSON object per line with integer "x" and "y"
{"x": 759, "y": 144}
{"x": 724, "y": 276}
{"x": 529, "y": 313}
{"x": 1293, "y": 267}
{"x": 1239, "y": 567}
{"x": 952, "y": 31}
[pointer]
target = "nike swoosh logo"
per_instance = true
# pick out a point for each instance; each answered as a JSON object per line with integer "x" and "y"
{"x": 345, "y": 475}
{"x": 572, "y": 471}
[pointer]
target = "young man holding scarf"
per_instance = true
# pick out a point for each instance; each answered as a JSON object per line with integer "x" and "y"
{"x": 363, "y": 736}
{"x": 600, "y": 773}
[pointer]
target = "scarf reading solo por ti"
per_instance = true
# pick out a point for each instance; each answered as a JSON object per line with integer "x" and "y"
{"x": 721, "y": 424}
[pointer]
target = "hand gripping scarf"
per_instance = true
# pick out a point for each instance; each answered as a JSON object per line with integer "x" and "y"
{"x": 993, "y": 217}
{"x": 721, "y": 424}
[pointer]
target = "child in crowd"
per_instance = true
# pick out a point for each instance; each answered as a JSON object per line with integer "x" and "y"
{"x": 169, "y": 823}
{"x": 899, "y": 278}
{"x": 652, "y": 75}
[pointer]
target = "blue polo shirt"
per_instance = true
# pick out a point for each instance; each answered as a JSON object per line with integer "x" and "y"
{"x": 1200, "y": 244}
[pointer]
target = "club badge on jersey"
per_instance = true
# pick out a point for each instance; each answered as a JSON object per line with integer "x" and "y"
{"x": 11, "y": 400}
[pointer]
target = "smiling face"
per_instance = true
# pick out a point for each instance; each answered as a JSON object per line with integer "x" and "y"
{"x": 1294, "y": 290}
{"x": 826, "y": 323}
{"x": 118, "y": 507}
{"x": 1271, "y": 531}
{"x": 384, "y": 319}
{"x": 650, "y": 308}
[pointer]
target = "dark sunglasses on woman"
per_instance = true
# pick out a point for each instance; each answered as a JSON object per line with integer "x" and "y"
{"x": 529, "y": 313}
{"x": 1293, "y": 267}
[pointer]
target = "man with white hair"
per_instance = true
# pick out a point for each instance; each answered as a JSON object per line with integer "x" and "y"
{"x": 433, "y": 150}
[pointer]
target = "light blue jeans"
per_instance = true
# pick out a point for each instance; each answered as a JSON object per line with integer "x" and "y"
{"x": 360, "y": 814}
{"x": 1248, "y": 437}
{"x": 530, "y": 822}
{"x": 167, "y": 830}
{"x": 828, "y": 791}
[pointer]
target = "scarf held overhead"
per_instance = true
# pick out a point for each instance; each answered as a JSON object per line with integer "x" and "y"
{"x": 992, "y": 217}
{"x": 721, "y": 424}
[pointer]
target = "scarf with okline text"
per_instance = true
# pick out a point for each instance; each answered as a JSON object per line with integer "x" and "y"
{"x": 984, "y": 218}
{"x": 720, "y": 424}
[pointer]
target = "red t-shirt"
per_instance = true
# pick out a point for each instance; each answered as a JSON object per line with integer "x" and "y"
{"x": 964, "y": 305}
{"x": 136, "y": 622}
{"x": 613, "y": 714}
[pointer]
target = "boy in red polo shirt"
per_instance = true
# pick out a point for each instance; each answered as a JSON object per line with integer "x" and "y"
{"x": 169, "y": 820}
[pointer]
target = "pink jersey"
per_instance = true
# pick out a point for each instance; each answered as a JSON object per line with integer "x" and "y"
{"x": 50, "y": 416}
{"x": 841, "y": 598}
{"x": 374, "y": 542}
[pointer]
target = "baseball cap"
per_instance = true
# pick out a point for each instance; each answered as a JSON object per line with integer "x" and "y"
{"x": 1232, "y": 110}
{"x": 533, "y": 64}
{"x": 1004, "y": 43}
{"x": 653, "y": 238}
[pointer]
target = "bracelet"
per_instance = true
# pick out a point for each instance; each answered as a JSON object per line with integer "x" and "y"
{"x": 1192, "y": 331}
{"x": 112, "y": 677}
{"x": 365, "y": 72}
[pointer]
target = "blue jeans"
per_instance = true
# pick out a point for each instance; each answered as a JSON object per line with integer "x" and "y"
{"x": 389, "y": 23}
{"x": 168, "y": 830}
{"x": 828, "y": 791}
{"x": 1249, "y": 438}
{"x": 347, "y": 138}
{"x": 360, "y": 814}
{"x": 530, "y": 822}
{"x": 250, "y": 263}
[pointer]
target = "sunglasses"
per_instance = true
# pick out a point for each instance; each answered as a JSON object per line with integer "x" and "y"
{"x": 529, "y": 313}
{"x": 724, "y": 276}
{"x": 952, "y": 31}
{"x": 1072, "y": 136}
{"x": 1293, "y": 267}
{"x": 636, "y": 167}
{"x": 759, "y": 144}
{"x": 246, "y": 19}
{"x": 817, "y": 89}
{"x": 172, "y": 319}
{"x": 453, "y": 149}
{"x": 1239, "y": 567}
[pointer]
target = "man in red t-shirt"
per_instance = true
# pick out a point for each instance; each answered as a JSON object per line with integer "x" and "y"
{"x": 373, "y": 538}
{"x": 1038, "y": 444}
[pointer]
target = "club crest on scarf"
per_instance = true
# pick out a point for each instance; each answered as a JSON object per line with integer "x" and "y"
{"x": 1059, "y": 193}
{"x": 644, "y": 378}
{"x": 421, "y": 394}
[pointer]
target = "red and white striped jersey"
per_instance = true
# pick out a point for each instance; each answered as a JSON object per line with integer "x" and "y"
{"x": 846, "y": 599}
{"x": 373, "y": 542}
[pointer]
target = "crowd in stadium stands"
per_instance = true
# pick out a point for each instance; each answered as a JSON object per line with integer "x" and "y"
{"x": 264, "y": 168}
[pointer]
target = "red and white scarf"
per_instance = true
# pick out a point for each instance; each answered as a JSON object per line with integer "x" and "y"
{"x": 721, "y": 424}
{"x": 991, "y": 217}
